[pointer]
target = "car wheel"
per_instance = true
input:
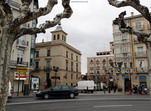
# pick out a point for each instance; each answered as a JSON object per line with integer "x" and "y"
{"x": 46, "y": 96}
{"x": 72, "y": 95}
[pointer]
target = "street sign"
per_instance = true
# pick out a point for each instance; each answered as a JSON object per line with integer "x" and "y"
{"x": 21, "y": 73}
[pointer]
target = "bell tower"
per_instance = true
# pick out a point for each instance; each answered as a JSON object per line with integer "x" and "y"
{"x": 58, "y": 34}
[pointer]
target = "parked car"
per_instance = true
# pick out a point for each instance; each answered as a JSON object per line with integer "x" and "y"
{"x": 58, "y": 91}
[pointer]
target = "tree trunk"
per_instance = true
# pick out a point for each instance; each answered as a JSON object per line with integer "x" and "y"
{"x": 5, "y": 53}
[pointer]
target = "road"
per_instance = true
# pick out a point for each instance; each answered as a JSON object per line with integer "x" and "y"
{"x": 83, "y": 103}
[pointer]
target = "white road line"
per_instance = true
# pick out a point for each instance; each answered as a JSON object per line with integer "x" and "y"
{"x": 69, "y": 100}
{"x": 112, "y": 106}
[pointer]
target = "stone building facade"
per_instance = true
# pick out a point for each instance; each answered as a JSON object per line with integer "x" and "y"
{"x": 57, "y": 53}
{"x": 22, "y": 55}
{"x": 128, "y": 50}
{"x": 100, "y": 70}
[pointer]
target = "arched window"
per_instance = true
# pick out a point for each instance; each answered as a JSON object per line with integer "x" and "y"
{"x": 54, "y": 37}
{"x": 58, "y": 37}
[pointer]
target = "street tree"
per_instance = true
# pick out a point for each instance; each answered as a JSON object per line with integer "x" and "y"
{"x": 10, "y": 30}
{"x": 141, "y": 36}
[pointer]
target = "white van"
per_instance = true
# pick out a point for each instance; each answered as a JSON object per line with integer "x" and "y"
{"x": 9, "y": 90}
{"x": 86, "y": 86}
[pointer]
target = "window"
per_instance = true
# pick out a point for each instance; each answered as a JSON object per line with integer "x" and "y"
{"x": 57, "y": 87}
{"x": 77, "y": 58}
{"x": 48, "y": 52}
{"x": 66, "y": 65}
{"x": 71, "y": 76}
{"x": 58, "y": 37}
{"x": 71, "y": 66}
{"x": 47, "y": 76}
{"x": 141, "y": 64}
{"x": 77, "y": 67}
{"x": 91, "y": 62}
{"x": 20, "y": 56}
{"x": 71, "y": 56}
{"x": 48, "y": 64}
{"x": 66, "y": 54}
{"x": 76, "y": 76}
{"x": 138, "y": 25}
{"x": 62, "y": 37}
{"x": 65, "y": 87}
{"x": 139, "y": 51}
{"x": 37, "y": 65}
{"x": 37, "y": 53}
{"x": 54, "y": 37}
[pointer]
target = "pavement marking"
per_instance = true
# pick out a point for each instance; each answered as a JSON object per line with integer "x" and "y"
{"x": 69, "y": 100}
{"x": 106, "y": 106}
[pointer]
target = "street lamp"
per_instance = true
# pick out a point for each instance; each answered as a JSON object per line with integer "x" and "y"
{"x": 108, "y": 74}
{"x": 55, "y": 69}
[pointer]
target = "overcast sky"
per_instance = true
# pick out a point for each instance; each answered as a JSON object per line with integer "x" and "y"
{"x": 89, "y": 28}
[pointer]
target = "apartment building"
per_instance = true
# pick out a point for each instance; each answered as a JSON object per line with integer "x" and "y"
{"x": 57, "y": 54}
{"x": 131, "y": 53}
{"x": 22, "y": 54}
{"x": 100, "y": 70}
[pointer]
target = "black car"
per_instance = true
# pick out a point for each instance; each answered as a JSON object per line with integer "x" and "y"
{"x": 58, "y": 91}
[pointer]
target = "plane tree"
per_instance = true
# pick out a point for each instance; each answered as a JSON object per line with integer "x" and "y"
{"x": 11, "y": 29}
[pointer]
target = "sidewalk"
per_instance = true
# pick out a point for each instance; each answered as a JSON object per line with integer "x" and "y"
{"x": 16, "y": 95}
{"x": 102, "y": 93}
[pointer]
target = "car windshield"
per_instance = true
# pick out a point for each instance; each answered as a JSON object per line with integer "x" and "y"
{"x": 57, "y": 88}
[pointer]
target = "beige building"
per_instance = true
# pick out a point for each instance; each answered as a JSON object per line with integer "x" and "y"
{"x": 129, "y": 51}
{"x": 99, "y": 69}
{"x": 59, "y": 54}
{"x": 22, "y": 54}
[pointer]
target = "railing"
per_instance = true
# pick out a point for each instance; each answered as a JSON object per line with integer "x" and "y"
{"x": 37, "y": 69}
{"x": 21, "y": 43}
{"x": 141, "y": 54}
{"x": 15, "y": 63}
{"x": 47, "y": 68}
{"x": 142, "y": 70}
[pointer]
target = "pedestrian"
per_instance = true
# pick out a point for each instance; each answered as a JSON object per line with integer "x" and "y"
{"x": 104, "y": 88}
{"x": 115, "y": 88}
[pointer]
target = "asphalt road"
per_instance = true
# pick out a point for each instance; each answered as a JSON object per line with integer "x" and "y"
{"x": 83, "y": 103}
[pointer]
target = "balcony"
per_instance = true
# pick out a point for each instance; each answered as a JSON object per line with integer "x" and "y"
{"x": 37, "y": 69}
{"x": 47, "y": 68}
{"x": 141, "y": 54}
{"x": 22, "y": 43}
{"x": 142, "y": 70}
{"x": 13, "y": 64}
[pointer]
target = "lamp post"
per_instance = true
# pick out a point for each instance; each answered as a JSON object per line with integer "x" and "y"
{"x": 108, "y": 74}
{"x": 55, "y": 69}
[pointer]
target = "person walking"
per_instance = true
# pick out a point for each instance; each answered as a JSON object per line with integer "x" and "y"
{"x": 104, "y": 88}
{"x": 115, "y": 88}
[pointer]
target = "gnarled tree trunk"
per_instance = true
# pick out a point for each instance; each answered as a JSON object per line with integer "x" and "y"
{"x": 10, "y": 30}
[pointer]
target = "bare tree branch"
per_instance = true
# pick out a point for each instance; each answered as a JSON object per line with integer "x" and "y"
{"x": 30, "y": 31}
{"x": 27, "y": 16}
{"x": 133, "y": 3}
{"x": 142, "y": 37}
{"x": 66, "y": 14}
{"x": 48, "y": 24}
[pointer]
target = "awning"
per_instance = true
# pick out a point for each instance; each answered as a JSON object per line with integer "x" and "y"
{"x": 142, "y": 76}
